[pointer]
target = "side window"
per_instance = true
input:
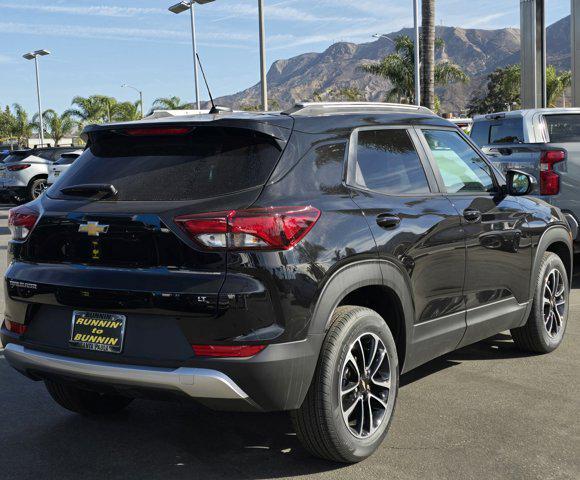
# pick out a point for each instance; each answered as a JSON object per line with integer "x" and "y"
{"x": 480, "y": 133}
{"x": 387, "y": 162}
{"x": 461, "y": 168}
{"x": 510, "y": 130}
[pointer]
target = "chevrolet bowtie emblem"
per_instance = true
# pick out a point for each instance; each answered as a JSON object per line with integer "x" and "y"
{"x": 93, "y": 229}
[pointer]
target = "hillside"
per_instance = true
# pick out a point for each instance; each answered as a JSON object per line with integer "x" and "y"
{"x": 478, "y": 52}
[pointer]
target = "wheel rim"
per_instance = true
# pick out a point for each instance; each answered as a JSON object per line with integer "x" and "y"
{"x": 38, "y": 189}
{"x": 365, "y": 385}
{"x": 554, "y": 306}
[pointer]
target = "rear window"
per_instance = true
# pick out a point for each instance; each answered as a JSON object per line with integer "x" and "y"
{"x": 206, "y": 162}
{"x": 510, "y": 130}
{"x": 563, "y": 128}
{"x": 67, "y": 159}
{"x": 16, "y": 157}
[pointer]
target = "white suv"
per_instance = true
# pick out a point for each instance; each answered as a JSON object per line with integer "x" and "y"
{"x": 58, "y": 168}
{"x": 25, "y": 172}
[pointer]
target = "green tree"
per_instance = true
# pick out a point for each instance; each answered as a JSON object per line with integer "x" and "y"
{"x": 171, "y": 103}
{"x": 22, "y": 128}
{"x": 399, "y": 69}
{"x": 556, "y": 84}
{"x": 428, "y": 41}
{"x": 56, "y": 126}
{"x": 88, "y": 110}
{"x": 502, "y": 92}
{"x": 6, "y": 124}
{"x": 126, "y": 111}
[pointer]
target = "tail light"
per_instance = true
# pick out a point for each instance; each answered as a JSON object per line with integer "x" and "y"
{"x": 145, "y": 132}
{"x": 225, "y": 351}
{"x": 272, "y": 228}
{"x": 21, "y": 221}
{"x": 549, "y": 179}
{"x": 16, "y": 168}
{"x": 17, "y": 328}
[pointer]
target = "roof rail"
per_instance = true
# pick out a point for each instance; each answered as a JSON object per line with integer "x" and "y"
{"x": 321, "y": 108}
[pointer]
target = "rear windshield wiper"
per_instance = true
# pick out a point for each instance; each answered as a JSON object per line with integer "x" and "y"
{"x": 98, "y": 191}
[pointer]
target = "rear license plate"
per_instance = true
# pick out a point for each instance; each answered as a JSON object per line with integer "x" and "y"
{"x": 102, "y": 332}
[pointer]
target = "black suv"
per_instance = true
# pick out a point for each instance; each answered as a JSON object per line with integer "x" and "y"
{"x": 298, "y": 261}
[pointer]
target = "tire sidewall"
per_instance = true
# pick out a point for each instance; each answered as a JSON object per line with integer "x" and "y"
{"x": 552, "y": 261}
{"x": 367, "y": 322}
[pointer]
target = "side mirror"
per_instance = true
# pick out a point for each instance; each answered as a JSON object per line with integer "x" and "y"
{"x": 519, "y": 183}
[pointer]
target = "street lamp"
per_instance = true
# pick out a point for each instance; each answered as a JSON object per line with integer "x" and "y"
{"x": 34, "y": 56}
{"x": 140, "y": 95}
{"x": 183, "y": 7}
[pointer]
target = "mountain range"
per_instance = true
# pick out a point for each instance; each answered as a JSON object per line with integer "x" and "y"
{"x": 479, "y": 52}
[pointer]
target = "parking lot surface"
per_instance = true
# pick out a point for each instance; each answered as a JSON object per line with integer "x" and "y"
{"x": 485, "y": 411}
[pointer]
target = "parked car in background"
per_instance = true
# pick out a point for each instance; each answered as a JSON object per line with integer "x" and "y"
{"x": 57, "y": 169}
{"x": 25, "y": 172}
{"x": 543, "y": 142}
{"x": 295, "y": 261}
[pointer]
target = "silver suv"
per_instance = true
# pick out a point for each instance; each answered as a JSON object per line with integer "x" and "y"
{"x": 24, "y": 173}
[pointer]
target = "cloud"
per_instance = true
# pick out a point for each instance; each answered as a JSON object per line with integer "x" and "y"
{"x": 104, "y": 11}
{"x": 117, "y": 33}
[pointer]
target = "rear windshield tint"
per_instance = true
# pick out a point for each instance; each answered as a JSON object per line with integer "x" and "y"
{"x": 480, "y": 133}
{"x": 206, "y": 162}
{"x": 66, "y": 159}
{"x": 16, "y": 157}
{"x": 510, "y": 130}
{"x": 563, "y": 128}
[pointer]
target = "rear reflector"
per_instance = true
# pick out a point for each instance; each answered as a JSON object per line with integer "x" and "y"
{"x": 272, "y": 228}
{"x": 15, "y": 168}
{"x": 233, "y": 351}
{"x": 549, "y": 179}
{"x": 17, "y": 328}
{"x": 21, "y": 221}
{"x": 147, "y": 132}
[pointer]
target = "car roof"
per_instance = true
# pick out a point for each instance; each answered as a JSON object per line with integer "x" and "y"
{"x": 308, "y": 117}
{"x": 526, "y": 113}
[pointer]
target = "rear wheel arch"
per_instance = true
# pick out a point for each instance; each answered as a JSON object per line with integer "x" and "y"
{"x": 375, "y": 284}
{"x": 557, "y": 240}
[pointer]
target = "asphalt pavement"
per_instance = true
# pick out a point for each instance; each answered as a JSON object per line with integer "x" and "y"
{"x": 484, "y": 412}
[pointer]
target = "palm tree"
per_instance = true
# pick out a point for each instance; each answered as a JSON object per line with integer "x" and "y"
{"x": 88, "y": 110}
{"x": 556, "y": 84}
{"x": 398, "y": 68}
{"x": 428, "y": 83}
{"x": 127, "y": 111}
{"x": 56, "y": 126}
{"x": 170, "y": 103}
{"x": 22, "y": 128}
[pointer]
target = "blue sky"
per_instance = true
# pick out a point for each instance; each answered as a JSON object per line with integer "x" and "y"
{"x": 97, "y": 45}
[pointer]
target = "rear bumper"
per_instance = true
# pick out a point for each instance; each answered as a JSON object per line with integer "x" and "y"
{"x": 196, "y": 383}
{"x": 276, "y": 379}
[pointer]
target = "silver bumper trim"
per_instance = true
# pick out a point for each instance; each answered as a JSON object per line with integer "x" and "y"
{"x": 194, "y": 382}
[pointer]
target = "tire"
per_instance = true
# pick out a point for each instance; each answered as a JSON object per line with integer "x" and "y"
{"x": 34, "y": 187}
{"x": 319, "y": 422}
{"x": 540, "y": 334}
{"x": 85, "y": 402}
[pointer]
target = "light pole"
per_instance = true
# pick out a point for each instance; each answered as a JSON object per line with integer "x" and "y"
{"x": 183, "y": 7}
{"x": 263, "y": 79}
{"x": 140, "y": 95}
{"x": 34, "y": 56}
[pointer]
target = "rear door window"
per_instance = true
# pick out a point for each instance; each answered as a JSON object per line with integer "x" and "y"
{"x": 387, "y": 162}
{"x": 203, "y": 162}
{"x": 563, "y": 128}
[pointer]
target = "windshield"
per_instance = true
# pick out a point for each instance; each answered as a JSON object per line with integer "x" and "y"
{"x": 204, "y": 162}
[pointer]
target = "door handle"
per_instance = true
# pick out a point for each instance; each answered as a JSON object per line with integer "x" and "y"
{"x": 472, "y": 216}
{"x": 388, "y": 220}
